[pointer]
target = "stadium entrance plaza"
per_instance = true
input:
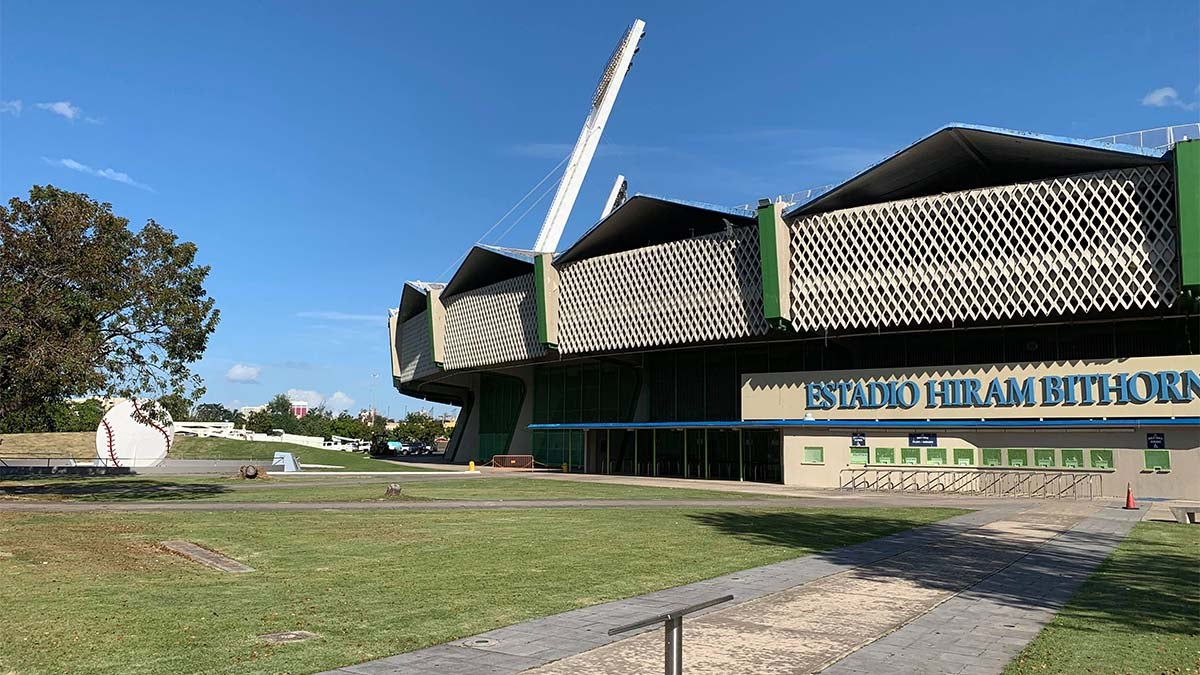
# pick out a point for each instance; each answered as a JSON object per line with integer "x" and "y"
{"x": 964, "y": 595}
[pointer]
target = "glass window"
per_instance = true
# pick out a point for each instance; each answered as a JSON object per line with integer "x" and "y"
{"x": 991, "y": 456}
{"x": 814, "y": 455}
{"x": 858, "y": 456}
{"x": 964, "y": 457}
{"x": 1018, "y": 457}
{"x": 885, "y": 455}
{"x": 1072, "y": 458}
{"x": 935, "y": 456}
{"x": 910, "y": 455}
{"x": 1102, "y": 459}
{"x": 1043, "y": 457}
{"x": 1158, "y": 460}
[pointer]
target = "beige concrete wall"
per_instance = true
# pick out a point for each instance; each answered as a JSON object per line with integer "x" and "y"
{"x": 1181, "y": 482}
{"x": 784, "y": 395}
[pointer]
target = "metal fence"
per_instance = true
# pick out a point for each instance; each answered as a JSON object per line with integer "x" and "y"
{"x": 1160, "y": 138}
{"x": 984, "y": 481}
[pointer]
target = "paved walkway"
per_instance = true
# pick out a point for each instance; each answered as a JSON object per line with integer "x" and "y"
{"x": 960, "y": 596}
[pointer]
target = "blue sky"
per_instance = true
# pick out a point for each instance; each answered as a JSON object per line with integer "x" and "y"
{"x": 320, "y": 153}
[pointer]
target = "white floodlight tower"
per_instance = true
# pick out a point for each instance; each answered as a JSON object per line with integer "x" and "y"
{"x": 589, "y": 138}
{"x": 616, "y": 196}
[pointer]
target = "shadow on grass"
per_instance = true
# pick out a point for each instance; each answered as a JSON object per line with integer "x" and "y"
{"x": 109, "y": 490}
{"x": 1149, "y": 586}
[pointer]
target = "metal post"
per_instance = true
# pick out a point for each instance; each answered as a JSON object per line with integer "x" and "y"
{"x": 685, "y": 466}
{"x": 635, "y": 452}
{"x": 741, "y": 464}
{"x": 673, "y": 647}
{"x": 607, "y": 451}
{"x": 654, "y": 452}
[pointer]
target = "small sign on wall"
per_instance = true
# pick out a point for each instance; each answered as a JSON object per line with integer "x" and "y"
{"x": 922, "y": 440}
{"x": 1156, "y": 441}
{"x": 858, "y": 440}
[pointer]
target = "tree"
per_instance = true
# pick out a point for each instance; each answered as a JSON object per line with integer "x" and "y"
{"x": 89, "y": 306}
{"x": 213, "y": 412}
{"x": 178, "y": 407}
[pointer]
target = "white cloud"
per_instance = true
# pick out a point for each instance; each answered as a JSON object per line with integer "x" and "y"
{"x": 342, "y": 316}
{"x": 339, "y": 401}
{"x": 109, "y": 174}
{"x": 62, "y": 108}
{"x": 13, "y": 107}
{"x": 1167, "y": 97}
{"x": 243, "y": 374}
{"x": 336, "y": 402}
{"x": 312, "y": 398}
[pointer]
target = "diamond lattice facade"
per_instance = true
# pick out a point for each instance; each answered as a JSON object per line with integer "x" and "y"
{"x": 1092, "y": 243}
{"x": 697, "y": 290}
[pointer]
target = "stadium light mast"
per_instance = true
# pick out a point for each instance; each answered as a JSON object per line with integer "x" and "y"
{"x": 589, "y": 138}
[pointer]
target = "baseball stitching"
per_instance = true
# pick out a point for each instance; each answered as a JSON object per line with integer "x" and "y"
{"x": 112, "y": 454}
{"x": 165, "y": 435}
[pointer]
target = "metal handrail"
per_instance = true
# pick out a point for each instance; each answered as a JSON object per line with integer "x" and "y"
{"x": 672, "y": 622}
{"x": 997, "y": 481}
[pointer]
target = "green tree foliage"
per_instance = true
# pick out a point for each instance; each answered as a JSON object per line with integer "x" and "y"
{"x": 213, "y": 412}
{"x": 178, "y": 406}
{"x": 56, "y": 416}
{"x": 88, "y": 305}
{"x": 419, "y": 427}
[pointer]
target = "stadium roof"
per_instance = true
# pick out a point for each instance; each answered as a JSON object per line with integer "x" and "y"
{"x": 963, "y": 157}
{"x": 487, "y": 265}
{"x": 412, "y": 300}
{"x": 645, "y": 220}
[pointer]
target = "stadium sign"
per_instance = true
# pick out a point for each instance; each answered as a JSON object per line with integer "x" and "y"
{"x": 1079, "y": 389}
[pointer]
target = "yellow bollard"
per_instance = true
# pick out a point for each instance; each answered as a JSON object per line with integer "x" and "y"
{"x": 471, "y": 465}
{"x": 565, "y": 468}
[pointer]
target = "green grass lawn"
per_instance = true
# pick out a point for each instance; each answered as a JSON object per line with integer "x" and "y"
{"x": 1139, "y": 613}
{"x": 92, "y": 593}
{"x": 318, "y": 488}
{"x": 193, "y": 447}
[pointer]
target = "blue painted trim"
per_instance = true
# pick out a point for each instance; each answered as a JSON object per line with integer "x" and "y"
{"x": 882, "y": 424}
{"x": 1152, "y": 153}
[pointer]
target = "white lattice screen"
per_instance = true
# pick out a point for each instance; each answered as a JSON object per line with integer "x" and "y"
{"x": 695, "y": 290}
{"x": 493, "y": 324}
{"x": 416, "y": 354}
{"x": 1095, "y": 242}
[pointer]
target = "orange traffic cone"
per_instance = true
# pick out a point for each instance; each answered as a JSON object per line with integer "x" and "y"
{"x": 1129, "y": 503}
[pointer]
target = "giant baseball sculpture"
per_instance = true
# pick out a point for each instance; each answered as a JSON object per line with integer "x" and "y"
{"x": 123, "y": 440}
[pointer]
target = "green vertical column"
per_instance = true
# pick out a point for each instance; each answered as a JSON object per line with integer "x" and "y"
{"x": 774, "y": 250}
{"x": 635, "y": 452}
{"x": 1187, "y": 204}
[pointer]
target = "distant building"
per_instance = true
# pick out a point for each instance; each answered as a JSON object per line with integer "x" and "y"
{"x": 299, "y": 409}
{"x": 246, "y": 410}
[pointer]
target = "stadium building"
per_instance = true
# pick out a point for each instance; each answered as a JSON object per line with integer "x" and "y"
{"x": 986, "y": 310}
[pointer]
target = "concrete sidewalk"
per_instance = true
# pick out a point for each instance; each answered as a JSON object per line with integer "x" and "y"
{"x": 960, "y": 596}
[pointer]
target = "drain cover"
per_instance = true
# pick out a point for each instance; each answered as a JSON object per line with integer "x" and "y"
{"x": 480, "y": 642}
{"x": 288, "y": 636}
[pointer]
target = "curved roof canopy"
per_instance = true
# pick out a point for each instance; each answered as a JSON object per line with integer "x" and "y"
{"x": 644, "y": 220}
{"x": 964, "y": 157}
{"x": 487, "y": 265}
